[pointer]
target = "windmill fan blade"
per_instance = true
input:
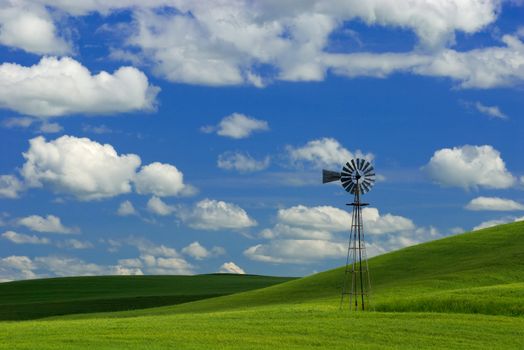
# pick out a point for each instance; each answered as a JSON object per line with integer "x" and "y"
{"x": 349, "y": 167}
{"x": 330, "y": 176}
{"x": 362, "y": 162}
{"x": 365, "y": 187}
{"x": 369, "y": 170}
{"x": 350, "y": 187}
{"x": 366, "y": 166}
{"x": 353, "y": 162}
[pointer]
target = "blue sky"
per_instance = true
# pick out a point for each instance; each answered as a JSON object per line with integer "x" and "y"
{"x": 180, "y": 138}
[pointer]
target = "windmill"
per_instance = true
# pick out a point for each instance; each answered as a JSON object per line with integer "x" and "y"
{"x": 357, "y": 177}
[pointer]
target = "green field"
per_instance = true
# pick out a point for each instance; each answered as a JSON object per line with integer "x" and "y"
{"x": 463, "y": 292}
{"x": 32, "y": 299}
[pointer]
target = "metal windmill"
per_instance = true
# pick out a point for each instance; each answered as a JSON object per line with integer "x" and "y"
{"x": 357, "y": 178}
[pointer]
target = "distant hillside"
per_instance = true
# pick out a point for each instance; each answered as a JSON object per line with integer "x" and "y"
{"x": 60, "y": 296}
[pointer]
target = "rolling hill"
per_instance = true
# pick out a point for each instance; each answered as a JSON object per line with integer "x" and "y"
{"x": 31, "y": 299}
{"x": 463, "y": 292}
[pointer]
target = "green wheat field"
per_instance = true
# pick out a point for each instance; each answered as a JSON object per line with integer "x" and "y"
{"x": 461, "y": 292}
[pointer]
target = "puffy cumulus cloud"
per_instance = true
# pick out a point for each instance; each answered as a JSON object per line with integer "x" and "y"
{"x": 199, "y": 252}
{"x": 161, "y": 180}
{"x": 381, "y": 224}
{"x": 126, "y": 208}
{"x": 490, "y": 111}
{"x": 309, "y": 234}
{"x": 325, "y": 152}
{"x": 469, "y": 167}
{"x": 241, "y": 162}
{"x": 89, "y": 170}
{"x": 57, "y": 87}
{"x": 210, "y": 214}
{"x": 30, "y": 28}
{"x": 20, "y": 238}
{"x": 494, "y": 203}
{"x": 495, "y": 222}
{"x": 323, "y": 219}
{"x": 296, "y": 251}
{"x": 48, "y": 224}
{"x": 10, "y": 186}
{"x": 231, "y": 267}
{"x": 78, "y": 166}
{"x": 156, "y": 206}
{"x": 319, "y": 218}
{"x": 237, "y": 126}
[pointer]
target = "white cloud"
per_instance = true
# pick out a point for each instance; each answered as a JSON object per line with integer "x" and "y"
{"x": 319, "y": 218}
{"x": 381, "y": 224}
{"x": 469, "y": 167}
{"x": 308, "y": 234}
{"x": 479, "y": 68}
{"x": 161, "y": 180}
{"x": 210, "y": 214}
{"x": 78, "y": 166}
{"x": 231, "y": 267}
{"x": 16, "y": 267}
{"x": 89, "y": 170}
{"x": 286, "y": 231}
{"x": 199, "y": 252}
{"x": 20, "y": 238}
{"x": 75, "y": 244}
{"x": 30, "y": 28}
{"x": 126, "y": 208}
{"x": 237, "y": 126}
{"x": 482, "y": 68}
{"x": 10, "y": 186}
{"x": 226, "y": 43}
{"x": 296, "y": 251}
{"x": 331, "y": 219}
{"x": 57, "y": 87}
{"x": 491, "y": 111}
{"x": 130, "y": 263}
{"x": 241, "y": 162}
{"x": 495, "y": 222}
{"x": 223, "y": 44}
{"x": 159, "y": 207}
{"x": 494, "y": 203}
{"x": 48, "y": 224}
{"x": 325, "y": 152}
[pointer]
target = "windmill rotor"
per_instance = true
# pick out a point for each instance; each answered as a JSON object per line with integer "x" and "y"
{"x": 356, "y": 175}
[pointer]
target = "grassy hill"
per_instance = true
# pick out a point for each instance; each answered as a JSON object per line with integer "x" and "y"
{"x": 462, "y": 292}
{"x": 476, "y": 272}
{"x": 72, "y": 295}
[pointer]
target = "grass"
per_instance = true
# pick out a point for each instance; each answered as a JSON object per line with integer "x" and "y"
{"x": 462, "y": 292}
{"x": 32, "y": 299}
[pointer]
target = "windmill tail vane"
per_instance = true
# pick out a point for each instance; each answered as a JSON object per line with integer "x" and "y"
{"x": 357, "y": 177}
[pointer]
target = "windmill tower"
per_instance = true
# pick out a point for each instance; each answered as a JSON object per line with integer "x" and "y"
{"x": 357, "y": 177}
